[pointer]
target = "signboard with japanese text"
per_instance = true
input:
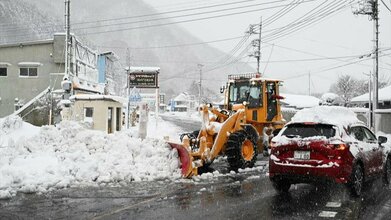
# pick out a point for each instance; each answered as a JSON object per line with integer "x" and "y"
{"x": 143, "y": 80}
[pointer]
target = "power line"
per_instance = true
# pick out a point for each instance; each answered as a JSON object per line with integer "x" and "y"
{"x": 175, "y": 22}
{"x": 386, "y": 6}
{"x": 335, "y": 67}
{"x": 306, "y": 20}
{"x": 176, "y": 45}
{"x": 164, "y": 13}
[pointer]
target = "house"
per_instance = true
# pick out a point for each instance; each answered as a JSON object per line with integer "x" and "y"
{"x": 29, "y": 68}
{"x": 384, "y": 97}
{"x": 182, "y": 103}
{"x": 383, "y": 113}
{"x": 98, "y": 112}
{"x": 109, "y": 74}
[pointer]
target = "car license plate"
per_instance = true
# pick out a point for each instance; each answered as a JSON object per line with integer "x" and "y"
{"x": 302, "y": 155}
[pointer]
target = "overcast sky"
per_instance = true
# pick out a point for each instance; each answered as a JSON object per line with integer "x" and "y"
{"x": 342, "y": 36}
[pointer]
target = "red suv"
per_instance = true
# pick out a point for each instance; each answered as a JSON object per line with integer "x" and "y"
{"x": 310, "y": 149}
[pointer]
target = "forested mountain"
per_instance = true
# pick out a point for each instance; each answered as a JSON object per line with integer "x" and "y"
{"x": 25, "y": 20}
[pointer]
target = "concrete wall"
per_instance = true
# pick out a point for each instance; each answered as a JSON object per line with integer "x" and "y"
{"x": 100, "y": 115}
{"x": 383, "y": 121}
{"x": 25, "y": 88}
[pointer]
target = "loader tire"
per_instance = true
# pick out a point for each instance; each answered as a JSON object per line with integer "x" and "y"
{"x": 241, "y": 150}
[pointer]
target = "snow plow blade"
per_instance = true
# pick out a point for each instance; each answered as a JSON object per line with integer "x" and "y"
{"x": 185, "y": 158}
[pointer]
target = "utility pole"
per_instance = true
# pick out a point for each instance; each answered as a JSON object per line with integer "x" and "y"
{"x": 375, "y": 17}
{"x": 200, "y": 90}
{"x": 257, "y": 44}
{"x": 127, "y": 118}
{"x": 371, "y": 8}
{"x": 67, "y": 37}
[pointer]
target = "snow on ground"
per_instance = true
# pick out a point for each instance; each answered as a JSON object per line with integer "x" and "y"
{"x": 192, "y": 116}
{"x": 160, "y": 129}
{"x": 41, "y": 159}
{"x": 13, "y": 128}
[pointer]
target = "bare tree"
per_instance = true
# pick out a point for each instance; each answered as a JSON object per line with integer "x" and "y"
{"x": 346, "y": 87}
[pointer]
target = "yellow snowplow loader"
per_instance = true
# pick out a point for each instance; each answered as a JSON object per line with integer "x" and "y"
{"x": 251, "y": 103}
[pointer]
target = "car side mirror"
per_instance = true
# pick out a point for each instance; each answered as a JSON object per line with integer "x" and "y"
{"x": 382, "y": 140}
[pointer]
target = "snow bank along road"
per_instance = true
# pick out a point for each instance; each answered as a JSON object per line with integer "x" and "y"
{"x": 42, "y": 159}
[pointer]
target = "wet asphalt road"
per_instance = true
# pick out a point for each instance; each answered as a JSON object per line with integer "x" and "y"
{"x": 246, "y": 195}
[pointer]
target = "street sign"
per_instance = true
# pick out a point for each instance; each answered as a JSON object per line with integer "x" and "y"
{"x": 143, "y": 80}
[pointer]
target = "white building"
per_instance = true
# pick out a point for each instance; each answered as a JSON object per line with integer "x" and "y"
{"x": 182, "y": 103}
{"x": 384, "y": 99}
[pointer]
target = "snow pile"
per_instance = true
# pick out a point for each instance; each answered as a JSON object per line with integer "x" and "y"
{"x": 160, "y": 129}
{"x": 13, "y": 128}
{"x": 334, "y": 115}
{"x": 331, "y": 99}
{"x": 69, "y": 155}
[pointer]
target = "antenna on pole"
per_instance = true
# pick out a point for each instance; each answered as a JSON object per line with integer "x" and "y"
{"x": 257, "y": 44}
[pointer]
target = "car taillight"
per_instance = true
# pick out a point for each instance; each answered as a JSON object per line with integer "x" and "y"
{"x": 339, "y": 146}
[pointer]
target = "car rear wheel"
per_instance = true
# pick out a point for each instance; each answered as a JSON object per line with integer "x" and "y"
{"x": 357, "y": 180}
{"x": 281, "y": 186}
{"x": 387, "y": 172}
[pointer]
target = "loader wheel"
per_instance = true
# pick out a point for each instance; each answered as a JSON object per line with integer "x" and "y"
{"x": 241, "y": 150}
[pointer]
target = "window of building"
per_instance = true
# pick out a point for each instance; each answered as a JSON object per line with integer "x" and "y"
{"x": 28, "y": 71}
{"x": 3, "y": 71}
{"x": 88, "y": 112}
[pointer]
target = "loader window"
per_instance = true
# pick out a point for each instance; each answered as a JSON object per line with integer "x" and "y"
{"x": 238, "y": 92}
{"x": 271, "y": 101}
{"x": 255, "y": 97}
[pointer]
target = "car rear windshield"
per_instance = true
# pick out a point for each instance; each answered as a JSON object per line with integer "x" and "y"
{"x": 309, "y": 130}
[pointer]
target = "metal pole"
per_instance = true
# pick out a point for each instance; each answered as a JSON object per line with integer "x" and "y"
{"x": 128, "y": 101}
{"x": 67, "y": 35}
{"x": 370, "y": 124}
{"x": 157, "y": 106}
{"x": 376, "y": 62}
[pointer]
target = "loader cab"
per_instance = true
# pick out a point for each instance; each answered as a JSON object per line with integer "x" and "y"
{"x": 244, "y": 91}
{"x": 259, "y": 96}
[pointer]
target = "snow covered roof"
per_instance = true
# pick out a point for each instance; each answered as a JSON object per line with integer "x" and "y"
{"x": 27, "y": 43}
{"x": 111, "y": 55}
{"x": 144, "y": 69}
{"x": 334, "y": 115}
{"x": 85, "y": 85}
{"x": 299, "y": 101}
{"x": 384, "y": 95}
{"x": 98, "y": 97}
{"x": 29, "y": 64}
{"x": 5, "y": 64}
{"x": 182, "y": 97}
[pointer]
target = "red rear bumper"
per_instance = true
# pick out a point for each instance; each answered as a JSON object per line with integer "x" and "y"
{"x": 300, "y": 172}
